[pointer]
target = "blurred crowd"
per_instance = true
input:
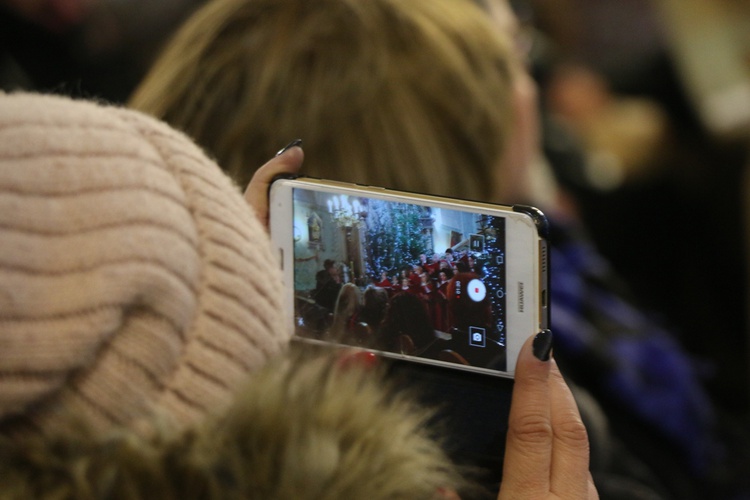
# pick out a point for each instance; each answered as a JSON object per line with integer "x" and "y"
{"x": 661, "y": 187}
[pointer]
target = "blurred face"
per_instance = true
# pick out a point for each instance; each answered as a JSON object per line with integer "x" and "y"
{"x": 512, "y": 175}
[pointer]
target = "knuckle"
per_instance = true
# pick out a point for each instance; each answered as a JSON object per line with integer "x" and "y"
{"x": 532, "y": 429}
{"x": 572, "y": 431}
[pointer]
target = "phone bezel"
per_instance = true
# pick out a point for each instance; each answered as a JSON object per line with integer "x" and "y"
{"x": 525, "y": 249}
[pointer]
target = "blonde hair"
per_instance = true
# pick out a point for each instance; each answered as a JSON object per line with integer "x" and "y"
{"x": 348, "y": 303}
{"x": 397, "y": 93}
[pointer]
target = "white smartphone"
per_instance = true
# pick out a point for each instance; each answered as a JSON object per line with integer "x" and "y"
{"x": 446, "y": 282}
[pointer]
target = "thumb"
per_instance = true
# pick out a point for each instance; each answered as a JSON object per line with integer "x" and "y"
{"x": 287, "y": 161}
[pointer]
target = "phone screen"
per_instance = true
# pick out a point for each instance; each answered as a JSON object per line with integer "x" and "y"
{"x": 403, "y": 278}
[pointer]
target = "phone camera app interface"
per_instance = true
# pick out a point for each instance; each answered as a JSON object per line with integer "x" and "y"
{"x": 399, "y": 277}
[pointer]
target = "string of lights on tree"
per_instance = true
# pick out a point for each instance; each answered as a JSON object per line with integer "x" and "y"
{"x": 394, "y": 236}
{"x": 492, "y": 260}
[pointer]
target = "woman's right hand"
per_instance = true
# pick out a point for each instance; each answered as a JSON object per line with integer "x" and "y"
{"x": 547, "y": 448}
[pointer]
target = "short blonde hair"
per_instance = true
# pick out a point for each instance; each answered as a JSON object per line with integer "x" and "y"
{"x": 410, "y": 94}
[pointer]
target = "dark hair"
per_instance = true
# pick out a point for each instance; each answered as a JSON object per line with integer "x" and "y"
{"x": 374, "y": 304}
{"x": 406, "y": 315}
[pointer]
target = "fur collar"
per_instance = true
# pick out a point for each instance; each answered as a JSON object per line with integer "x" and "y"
{"x": 303, "y": 428}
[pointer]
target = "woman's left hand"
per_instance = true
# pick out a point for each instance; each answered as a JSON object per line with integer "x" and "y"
{"x": 288, "y": 161}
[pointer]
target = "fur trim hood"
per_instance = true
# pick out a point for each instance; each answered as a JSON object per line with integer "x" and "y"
{"x": 300, "y": 429}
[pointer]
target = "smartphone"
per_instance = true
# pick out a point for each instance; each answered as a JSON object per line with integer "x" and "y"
{"x": 445, "y": 290}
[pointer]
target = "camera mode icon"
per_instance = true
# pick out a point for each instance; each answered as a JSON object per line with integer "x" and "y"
{"x": 476, "y": 336}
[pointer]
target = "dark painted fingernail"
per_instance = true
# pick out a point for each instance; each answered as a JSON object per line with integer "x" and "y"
{"x": 295, "y": 142}
{"x": 542, "y": 346}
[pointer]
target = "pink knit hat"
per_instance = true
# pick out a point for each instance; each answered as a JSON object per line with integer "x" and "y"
{"x": 134, "y": 279}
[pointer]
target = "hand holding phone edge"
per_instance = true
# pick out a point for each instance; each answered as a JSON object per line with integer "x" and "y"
{"x": 547, "y": 449}
{"x": 287, "y": 161}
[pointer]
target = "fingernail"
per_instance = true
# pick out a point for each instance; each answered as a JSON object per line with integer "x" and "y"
{"x": 295, "y": 142}
{"x": 542, "y": 346}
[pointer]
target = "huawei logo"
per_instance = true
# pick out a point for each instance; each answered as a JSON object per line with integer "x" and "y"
{"x": 520, "y": 296}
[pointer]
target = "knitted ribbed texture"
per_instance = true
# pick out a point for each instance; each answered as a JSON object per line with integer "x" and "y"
{"x": 133, "y": 276}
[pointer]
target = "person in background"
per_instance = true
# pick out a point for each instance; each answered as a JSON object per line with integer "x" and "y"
{"x": 407, "y": 327}
{"x": 629, "y": 98}
{"x": 345, "y": 312}
{"x": 327, "y": 285}
{"x": 374, "y": 303}
{"x": 228, "y": 65}
{"x": 605, "y": 335}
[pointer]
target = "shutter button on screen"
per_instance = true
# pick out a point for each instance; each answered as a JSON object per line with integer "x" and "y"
{"x": 476, "y": 290}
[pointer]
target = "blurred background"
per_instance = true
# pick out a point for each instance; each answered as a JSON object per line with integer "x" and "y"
{"x": 656, "y": 93}
{"x": 647, "y": 112}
